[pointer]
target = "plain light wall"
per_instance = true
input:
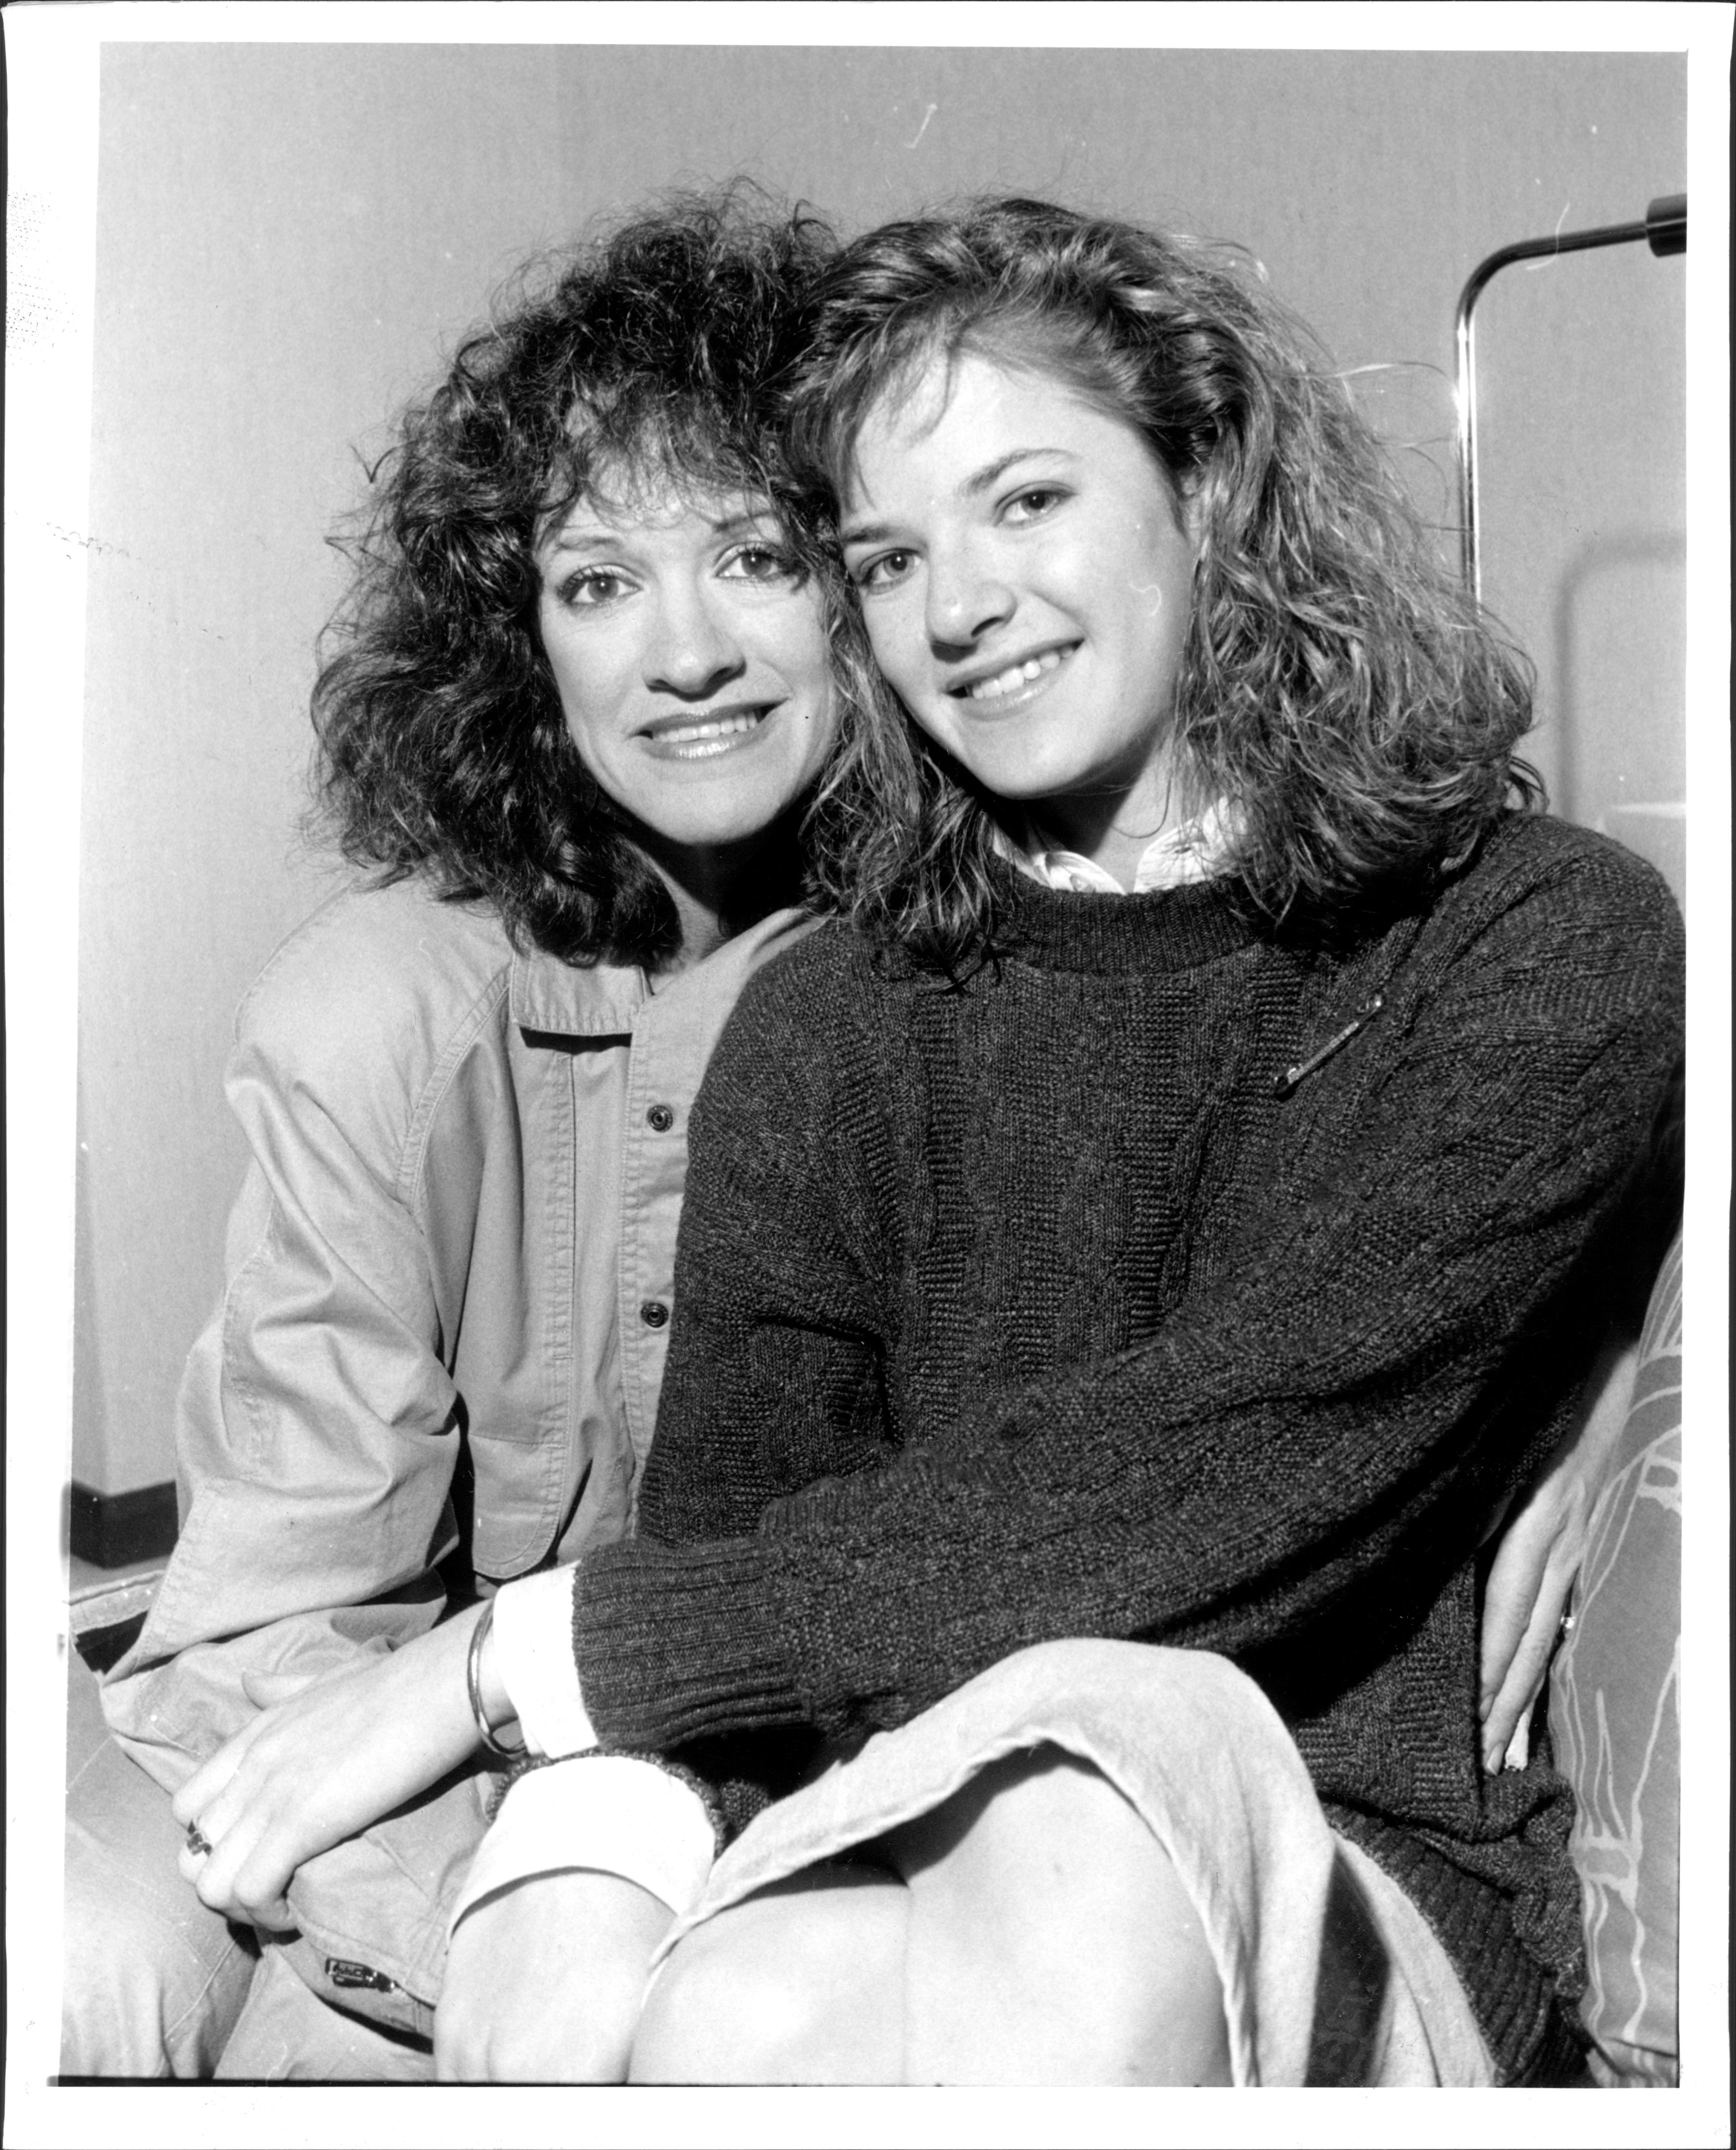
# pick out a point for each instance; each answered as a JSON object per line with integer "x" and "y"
{"x": 290, "y": 236}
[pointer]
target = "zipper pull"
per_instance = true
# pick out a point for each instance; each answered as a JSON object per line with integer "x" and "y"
{"x": 1283, "y": 1085}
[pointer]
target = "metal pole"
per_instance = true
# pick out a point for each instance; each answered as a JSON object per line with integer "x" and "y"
{"x": 1664, "y": 227}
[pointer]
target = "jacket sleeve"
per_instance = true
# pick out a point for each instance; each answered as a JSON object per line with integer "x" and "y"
{"x": 316, "y": 1425}
{"x": 1345, "y": 1402}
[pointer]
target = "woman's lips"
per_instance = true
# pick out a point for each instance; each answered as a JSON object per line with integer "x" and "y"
{"x": 703, "y": 738}
{"x": 1012, "y": 683}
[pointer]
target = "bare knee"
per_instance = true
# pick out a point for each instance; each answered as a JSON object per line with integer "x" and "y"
{"x": 1041, "y": 1900}
{"x": 800, "y": 1984}
{"x": 721, "y": 2013}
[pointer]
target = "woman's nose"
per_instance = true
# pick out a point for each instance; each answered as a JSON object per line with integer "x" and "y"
{"x": 692, "y": 651}
{"x": 965, "y": 599}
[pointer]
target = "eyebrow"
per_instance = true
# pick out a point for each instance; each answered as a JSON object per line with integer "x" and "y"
{"x": 582, "y": 539}
{"x": 978, "y": 483}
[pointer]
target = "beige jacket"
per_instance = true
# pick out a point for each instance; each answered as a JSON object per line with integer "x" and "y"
{"x": 449, "y": 1278}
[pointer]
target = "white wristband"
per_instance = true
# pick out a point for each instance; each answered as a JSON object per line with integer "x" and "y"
{"x": 534, "y": 1657}
{"x": 610, "y": 1814}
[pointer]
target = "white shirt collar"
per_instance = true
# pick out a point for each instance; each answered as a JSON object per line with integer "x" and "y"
{"x": 1193, "y": 852}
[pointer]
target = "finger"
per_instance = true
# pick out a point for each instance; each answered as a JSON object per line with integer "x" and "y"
{"x": 238, "y": 1877}
{"x": 263, "y": 1879}
{"x": 210, "y": 1780}
{"x": 272, "y": 1840}
{"x": 271, "y": 1913}
{"x": 235, "y": 1814}
{"x": 1510, "y": 1601}
{"x": 1518, "y": 1586}
{"x": 1515, "y": 1701}
{"x": 1510, "y": 1712}
{"x": 210, "y": 1873}
{"x": 245, "y": 1878}
{"x": 202, "y": 1786}
{"x": 1526, "y": 1595}
{"x": 272, "y": 1916}
{"x": 1501, "y": 1640}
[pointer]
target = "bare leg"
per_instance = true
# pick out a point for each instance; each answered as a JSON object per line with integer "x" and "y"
{"x": 803, "y": 1983}
{"x": 543, "y": 1982}
{"x": 1040, "y": 1934}
{"x": 1050, "y": 1939}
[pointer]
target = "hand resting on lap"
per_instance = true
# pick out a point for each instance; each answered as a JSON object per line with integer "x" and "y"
{"x": 324, "y": 1759}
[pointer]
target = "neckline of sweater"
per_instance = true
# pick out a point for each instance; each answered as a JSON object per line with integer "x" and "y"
{"x": 1169, "y": 929}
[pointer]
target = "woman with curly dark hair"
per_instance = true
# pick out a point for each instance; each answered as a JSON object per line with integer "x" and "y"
{"x": 570, "y": 720}
{"x": 1128, "y": 1264}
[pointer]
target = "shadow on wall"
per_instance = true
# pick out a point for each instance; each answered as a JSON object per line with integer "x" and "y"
{"x": 1620, "y": 695}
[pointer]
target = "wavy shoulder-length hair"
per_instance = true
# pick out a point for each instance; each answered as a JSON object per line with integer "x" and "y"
{"x": 1336, "y": 684}
{"x": 650, "y": 356}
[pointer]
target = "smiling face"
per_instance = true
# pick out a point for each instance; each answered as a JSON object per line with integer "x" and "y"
{"x": 1026, "y": 577}
{"x": 689, "y": 651}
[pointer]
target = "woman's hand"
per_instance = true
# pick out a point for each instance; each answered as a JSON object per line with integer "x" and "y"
{"x": 544, "y": 1982}
{"x": 328, "y": 1758}
{"x": 1541, "y": 1548}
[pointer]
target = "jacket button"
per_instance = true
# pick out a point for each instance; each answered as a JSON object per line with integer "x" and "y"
{"x": 654, "y": 1314}
{"x": 661, "y": 1117}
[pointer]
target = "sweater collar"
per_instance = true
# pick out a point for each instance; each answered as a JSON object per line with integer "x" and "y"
{"x": 1173, "y": 929}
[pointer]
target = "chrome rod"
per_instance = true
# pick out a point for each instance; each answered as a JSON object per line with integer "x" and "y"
{"x": 1664, "y": 227}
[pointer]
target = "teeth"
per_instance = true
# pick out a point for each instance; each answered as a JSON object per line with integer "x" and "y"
{"x": 1014, "y": 675}
{"x": 710, "y": 728}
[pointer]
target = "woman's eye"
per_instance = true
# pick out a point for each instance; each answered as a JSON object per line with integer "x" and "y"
{"x": 592, "y": 585}
{"x": 883, "y": 570}
{"x": 1035, "y": 500}
{"x": 761, "y": 563}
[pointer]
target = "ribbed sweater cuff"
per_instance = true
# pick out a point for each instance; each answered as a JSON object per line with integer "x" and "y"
{"x": 673, "y": 1643}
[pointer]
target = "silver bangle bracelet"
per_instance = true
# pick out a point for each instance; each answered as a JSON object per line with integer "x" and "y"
{"x": 473, "y": 1684}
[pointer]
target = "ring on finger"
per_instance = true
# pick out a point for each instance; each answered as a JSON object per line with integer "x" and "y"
{"x": 198, "y": 1843}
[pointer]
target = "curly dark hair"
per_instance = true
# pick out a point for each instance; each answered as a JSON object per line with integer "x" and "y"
{"x": 651, "y": 355}
{"x": 1336, "y": 684}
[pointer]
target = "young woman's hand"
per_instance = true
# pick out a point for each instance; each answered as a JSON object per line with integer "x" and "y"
{"x": 544, "y": 1982}
{"x": 1542, "y": 1545}
{"x": 328, "y": 1758}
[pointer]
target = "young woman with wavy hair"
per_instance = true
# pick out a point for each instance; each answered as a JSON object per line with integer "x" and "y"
{"x": 1130, "y": 1262}
{"x": 1333, "y": 682}
{"x": 570, "y": 719}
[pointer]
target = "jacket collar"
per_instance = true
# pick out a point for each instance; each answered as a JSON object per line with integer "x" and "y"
{"x": 561, "y": 1000}
{"x": 604, "y": 1000}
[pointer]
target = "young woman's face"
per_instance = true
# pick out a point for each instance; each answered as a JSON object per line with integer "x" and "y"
{"x": 689, "y": 651}
{"x": 1026, "y": 577}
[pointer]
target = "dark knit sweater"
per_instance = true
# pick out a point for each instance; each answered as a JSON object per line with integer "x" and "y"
{"x": 1049, "y": 1307}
